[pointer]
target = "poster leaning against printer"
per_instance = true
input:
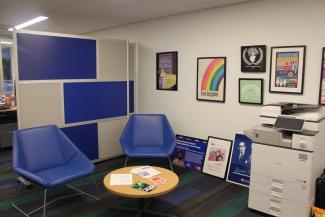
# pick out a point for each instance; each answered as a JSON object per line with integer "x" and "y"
{"x": 240, "y": 160}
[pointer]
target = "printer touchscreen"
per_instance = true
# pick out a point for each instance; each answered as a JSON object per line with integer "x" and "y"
{"x": 289, "y": 123}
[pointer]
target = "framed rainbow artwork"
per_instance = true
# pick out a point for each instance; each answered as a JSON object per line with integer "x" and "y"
{"x": 211, "y": 79}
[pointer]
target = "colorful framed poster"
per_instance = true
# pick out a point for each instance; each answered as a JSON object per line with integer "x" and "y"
{"x": 287, "y": 69}
{"x": 253, "y": 58}
{"x": 251, "y": 91}
{"x": 166, "y": 69}
{"x": 217, "y": 156}
{"x": 211, "y": 79}
{"x": 189, "y": 152}
{"x": 322, "y": 80}
{"x": 240, "y": 160}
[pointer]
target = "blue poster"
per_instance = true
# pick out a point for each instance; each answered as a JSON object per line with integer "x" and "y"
{"x": 240, "y": 161}
{"x": 189, "y": 152}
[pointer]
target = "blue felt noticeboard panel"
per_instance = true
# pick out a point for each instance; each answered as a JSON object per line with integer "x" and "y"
{"x": 43, "y": 57}
{"x": 85, "y": 101}
{"x": 131, "y": 96}
{"x": 85, "y": 137}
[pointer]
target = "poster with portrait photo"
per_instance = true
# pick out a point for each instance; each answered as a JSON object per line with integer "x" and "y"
{"x": 253, "y": 58}
{"x": 216, "y": 157}
{"x": 189, "y": 152}
{"x": 240, "y": 160}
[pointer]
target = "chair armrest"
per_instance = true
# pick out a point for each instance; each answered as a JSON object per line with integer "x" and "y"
{"x": 30, "y": 176}
{"x": 171, "y": 142}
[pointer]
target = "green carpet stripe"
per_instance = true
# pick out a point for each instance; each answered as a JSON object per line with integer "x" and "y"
{"x": 231, "y": 208}
{"x": 189, "y": 177}
{"x": 8, "y": 176}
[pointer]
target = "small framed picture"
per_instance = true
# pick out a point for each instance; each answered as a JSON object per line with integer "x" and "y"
{"x": 217, "y": 157}
{"x": 240, "y": 161}
{"x": 166, "y": 71}
{"x": 211, "y": 79}
{"x": 253, "y": 58}
{"x": 322, "y": 80}
{"x": 287, "y": 69}
{"x": 251, "y": 91}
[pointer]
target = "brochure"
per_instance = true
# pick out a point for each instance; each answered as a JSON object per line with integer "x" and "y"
{"x": 143, "y": 186}
{"x": 158, "y": 180}
{"x": 145, "y": 171}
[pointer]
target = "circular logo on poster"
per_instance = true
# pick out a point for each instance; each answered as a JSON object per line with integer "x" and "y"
{"x": 253, "y": 56}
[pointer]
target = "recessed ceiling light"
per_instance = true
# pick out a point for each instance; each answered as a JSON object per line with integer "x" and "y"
{"x": 28, "y": 23}
{"x": 5, "y": 42}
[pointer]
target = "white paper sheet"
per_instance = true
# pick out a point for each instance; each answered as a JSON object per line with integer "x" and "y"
{"x": 121, "y": 179}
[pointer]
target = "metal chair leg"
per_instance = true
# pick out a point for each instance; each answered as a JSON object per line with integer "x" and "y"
{"x": 171, "y": 165}
{"x": 44, "y": 206}
{"x": 126, "y": 161}
{"x": 96, "y": 186}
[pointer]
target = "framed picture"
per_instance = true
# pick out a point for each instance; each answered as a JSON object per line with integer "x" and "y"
{"x": 217, "y": 156}
{"x": 189, "y": 152}
{"x": 322, "y": 80}
{"x": 287, "y": 69}
{"x": 211, "y": 79}
{"x": 253, "y": 58}
{"x": 166, "y": 67}
{"x": 251, "y": 91}
{"x": 240, "y": 161}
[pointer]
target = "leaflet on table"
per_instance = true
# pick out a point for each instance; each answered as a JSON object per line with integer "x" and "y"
{"x": 121, "y": 179}
{"x": 145, "y": 171}
{"x": 143, "y": 186}
{"x": 158, "y": 180}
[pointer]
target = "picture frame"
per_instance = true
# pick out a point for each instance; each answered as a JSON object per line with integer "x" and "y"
{"x": 211, "y": 79}
{"x": 253, "y": 58}
{"x": 251, "y": 91}
{"x": 167, "y": 71}
{"x": 217, "y": 157}
{"x": 321, "y": 100}
{"x": 287, "y": 69}
{"x": 240, "y": 160}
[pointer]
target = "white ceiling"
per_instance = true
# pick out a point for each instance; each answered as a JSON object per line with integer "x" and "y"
{"x": 83, "y": 16}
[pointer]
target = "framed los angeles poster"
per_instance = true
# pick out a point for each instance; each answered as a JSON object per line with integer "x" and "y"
{"x": 166, "y": 71}
{"x": 322, "y": 80}
{"x": 211, "y": 79}
{"x": 287, "y": 69}
{"x": 217, "y": 156}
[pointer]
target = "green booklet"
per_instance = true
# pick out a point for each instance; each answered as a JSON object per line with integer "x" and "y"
{"x": 143, "y": 186}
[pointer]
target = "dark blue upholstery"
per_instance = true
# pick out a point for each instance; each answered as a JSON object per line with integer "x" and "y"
{"x": 148, "y": 135}
{"x": 44, "y": 155}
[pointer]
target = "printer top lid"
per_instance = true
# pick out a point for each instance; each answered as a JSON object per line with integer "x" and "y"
{"x": 307, "y": 112}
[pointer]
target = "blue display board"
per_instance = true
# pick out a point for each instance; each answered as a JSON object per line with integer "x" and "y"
{"x": 85, "y": 137}
{"x": 43, "y": 57}
{"x": 85, "y": 101}
{"x": 189, "y": 152}
{"x": 240, "y": 161}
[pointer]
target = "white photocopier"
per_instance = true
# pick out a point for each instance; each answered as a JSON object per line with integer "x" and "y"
{"x": 288, "y": 154}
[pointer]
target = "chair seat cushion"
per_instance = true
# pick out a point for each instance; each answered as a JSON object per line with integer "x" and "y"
{"x": 148, "y": 151}
{"x": 77, "y": 167}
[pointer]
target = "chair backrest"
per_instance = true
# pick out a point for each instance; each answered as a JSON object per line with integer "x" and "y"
{"x": 147, "y": 129}
{"x": 39, "y": 148}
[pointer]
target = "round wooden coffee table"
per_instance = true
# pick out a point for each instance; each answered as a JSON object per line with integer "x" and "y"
{"x": 127, "y": 191}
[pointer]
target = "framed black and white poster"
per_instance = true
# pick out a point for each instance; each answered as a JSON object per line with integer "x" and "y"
{"x": 217, "y": 156}
{"x": 253, "y": 58}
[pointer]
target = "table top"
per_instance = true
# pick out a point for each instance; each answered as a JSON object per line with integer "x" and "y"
{"x": 127, "y": 191}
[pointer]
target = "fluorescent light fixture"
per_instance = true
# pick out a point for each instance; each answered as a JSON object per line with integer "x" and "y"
{"x": 29, "y": 23}
{"x": 5, "y": 42}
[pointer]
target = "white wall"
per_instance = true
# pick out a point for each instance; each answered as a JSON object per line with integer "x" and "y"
{"x": 221, "y": 32}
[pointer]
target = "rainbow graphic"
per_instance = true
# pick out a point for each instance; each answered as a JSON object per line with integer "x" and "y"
{"x": 213, "y": 75}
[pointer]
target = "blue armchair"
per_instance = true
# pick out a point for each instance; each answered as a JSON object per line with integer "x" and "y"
{"x": 148, "y": 135}
{"x": 45, "y": 156}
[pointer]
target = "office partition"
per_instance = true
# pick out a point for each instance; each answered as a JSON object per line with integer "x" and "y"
{"x": 82, "y": 84}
